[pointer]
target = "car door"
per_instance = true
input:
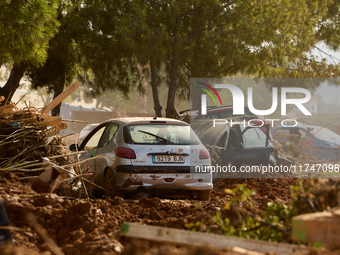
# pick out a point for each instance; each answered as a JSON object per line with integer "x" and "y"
{"x": 106, "y": 147}
{"x": 90, "y": 146}
{"x": 221, "y": 143}
{"x": 253, "y": 147}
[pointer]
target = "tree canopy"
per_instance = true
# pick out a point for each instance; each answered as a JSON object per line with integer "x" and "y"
{"x": 26, "y": 28}
{"x": 106, "y": 43}
{"x": 223, "y": 38}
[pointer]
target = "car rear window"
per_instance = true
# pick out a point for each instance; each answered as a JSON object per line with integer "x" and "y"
{"x": 160, "y": 134}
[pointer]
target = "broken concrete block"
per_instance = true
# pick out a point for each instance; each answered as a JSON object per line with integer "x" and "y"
{"x": 49, "y": 180}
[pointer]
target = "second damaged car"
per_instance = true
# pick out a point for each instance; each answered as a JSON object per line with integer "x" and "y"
{"x": 236, "y": 144}
{"x": 145, "y": 155}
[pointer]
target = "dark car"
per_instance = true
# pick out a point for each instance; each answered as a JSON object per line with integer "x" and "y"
{"x": 222, "y": 112}
{"x": 237, "y": 145}
{"x": 226, "y": 112}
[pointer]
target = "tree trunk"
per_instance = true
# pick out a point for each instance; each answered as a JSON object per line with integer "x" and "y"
{"x": 98, "y": 103}
{"x": 57, "y": 91}
{"x": 157, "y": 105}
{"x": 46, "y": 99}
{"x": 13, "y": 82}
{"x": 144, "y": 88}
{"x": 170, "y": 107}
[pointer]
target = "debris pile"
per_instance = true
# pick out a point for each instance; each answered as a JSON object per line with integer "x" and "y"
{"x": 32, "y": 149}
{"x": 299, "y": 150}
{"x": 26, "y": 137}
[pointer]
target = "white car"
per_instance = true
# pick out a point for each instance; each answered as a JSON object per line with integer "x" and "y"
{"x": 144, "y": 154}
{"x": 86, "y": 130}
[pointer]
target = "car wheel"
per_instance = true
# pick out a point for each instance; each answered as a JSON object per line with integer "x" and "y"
{"x": 110, "y": 186}
{"x": 203, "y": 195}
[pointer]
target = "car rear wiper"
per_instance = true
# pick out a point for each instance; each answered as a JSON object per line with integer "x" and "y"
{"x": 157, "y": 136}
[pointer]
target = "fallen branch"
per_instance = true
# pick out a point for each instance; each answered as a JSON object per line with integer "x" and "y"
{"x": 11, "y": 228}
{"x": 77, "y": 176}
{"x": 84, "y": 161}
{"x": 43, "y": 234}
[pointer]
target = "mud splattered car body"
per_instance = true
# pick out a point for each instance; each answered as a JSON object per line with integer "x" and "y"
{"x": 146, "y": 154}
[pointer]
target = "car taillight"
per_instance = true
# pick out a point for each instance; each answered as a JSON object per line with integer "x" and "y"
{"x": 125, "y": 153}
{"x": 169, "y": 179}
{"x": 204, "y": 154}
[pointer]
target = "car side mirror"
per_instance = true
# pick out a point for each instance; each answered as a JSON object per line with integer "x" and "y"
{"x": 74, "y": 147}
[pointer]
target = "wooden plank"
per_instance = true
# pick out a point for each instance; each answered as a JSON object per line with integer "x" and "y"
{"x": 60, "y": 98}
{"x": 56, "y": 121}
{"x": 336, "y": 212}
{"x": 7, "y": 107}
{"x": 49, "y": 117}
{"x": 185, "y": 237}
{"x": 241, "y": 251}
{"x": 321, "y": 227}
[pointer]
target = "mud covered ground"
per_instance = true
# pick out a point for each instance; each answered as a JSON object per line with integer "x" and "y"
{"x": 88, "y": 226}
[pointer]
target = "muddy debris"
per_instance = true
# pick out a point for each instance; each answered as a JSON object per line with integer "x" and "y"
{"x": 89, "y": 226}
{"x": 92, "y": 226}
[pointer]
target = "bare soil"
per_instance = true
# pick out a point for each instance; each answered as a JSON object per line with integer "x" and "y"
{"x": 89, "y": 226}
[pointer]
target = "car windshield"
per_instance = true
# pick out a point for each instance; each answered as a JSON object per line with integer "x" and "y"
{"x": 324, "y": 133}
{"x": 160, "y": 134}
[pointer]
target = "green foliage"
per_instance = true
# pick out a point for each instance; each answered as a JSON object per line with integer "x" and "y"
{"x": 61, "y": 63}
{"x": 275, "y": 222}
{"x": 105, "y": 44}
{"x": 106, "y": 55}
{"x": 195, "y": 39}
{"x": 329, "y": 25}
{"x": 305, "y": 67}
{"x": 26, "y": 28}
{"x": 272, "y": 225}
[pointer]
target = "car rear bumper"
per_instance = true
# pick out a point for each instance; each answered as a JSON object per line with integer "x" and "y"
{"x": 132, "y": 178}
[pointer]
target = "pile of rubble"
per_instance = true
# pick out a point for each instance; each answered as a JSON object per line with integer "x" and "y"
{"x": 32, "y": 149}
{"x": 27, "y": 136}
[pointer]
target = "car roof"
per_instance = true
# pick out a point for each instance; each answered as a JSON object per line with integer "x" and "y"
{"x": 215, "y": 108}
{"x": 304, "y": 126}
{"x": 149, "y": 120}
{"x": 223, "y": 108}
{"x": 92, "y": 125}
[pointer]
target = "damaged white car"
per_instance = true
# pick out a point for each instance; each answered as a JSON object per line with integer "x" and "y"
{"x": 146, "y": 154}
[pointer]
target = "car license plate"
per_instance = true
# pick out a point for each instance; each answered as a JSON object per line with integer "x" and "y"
{"x": 167, "y": 159}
